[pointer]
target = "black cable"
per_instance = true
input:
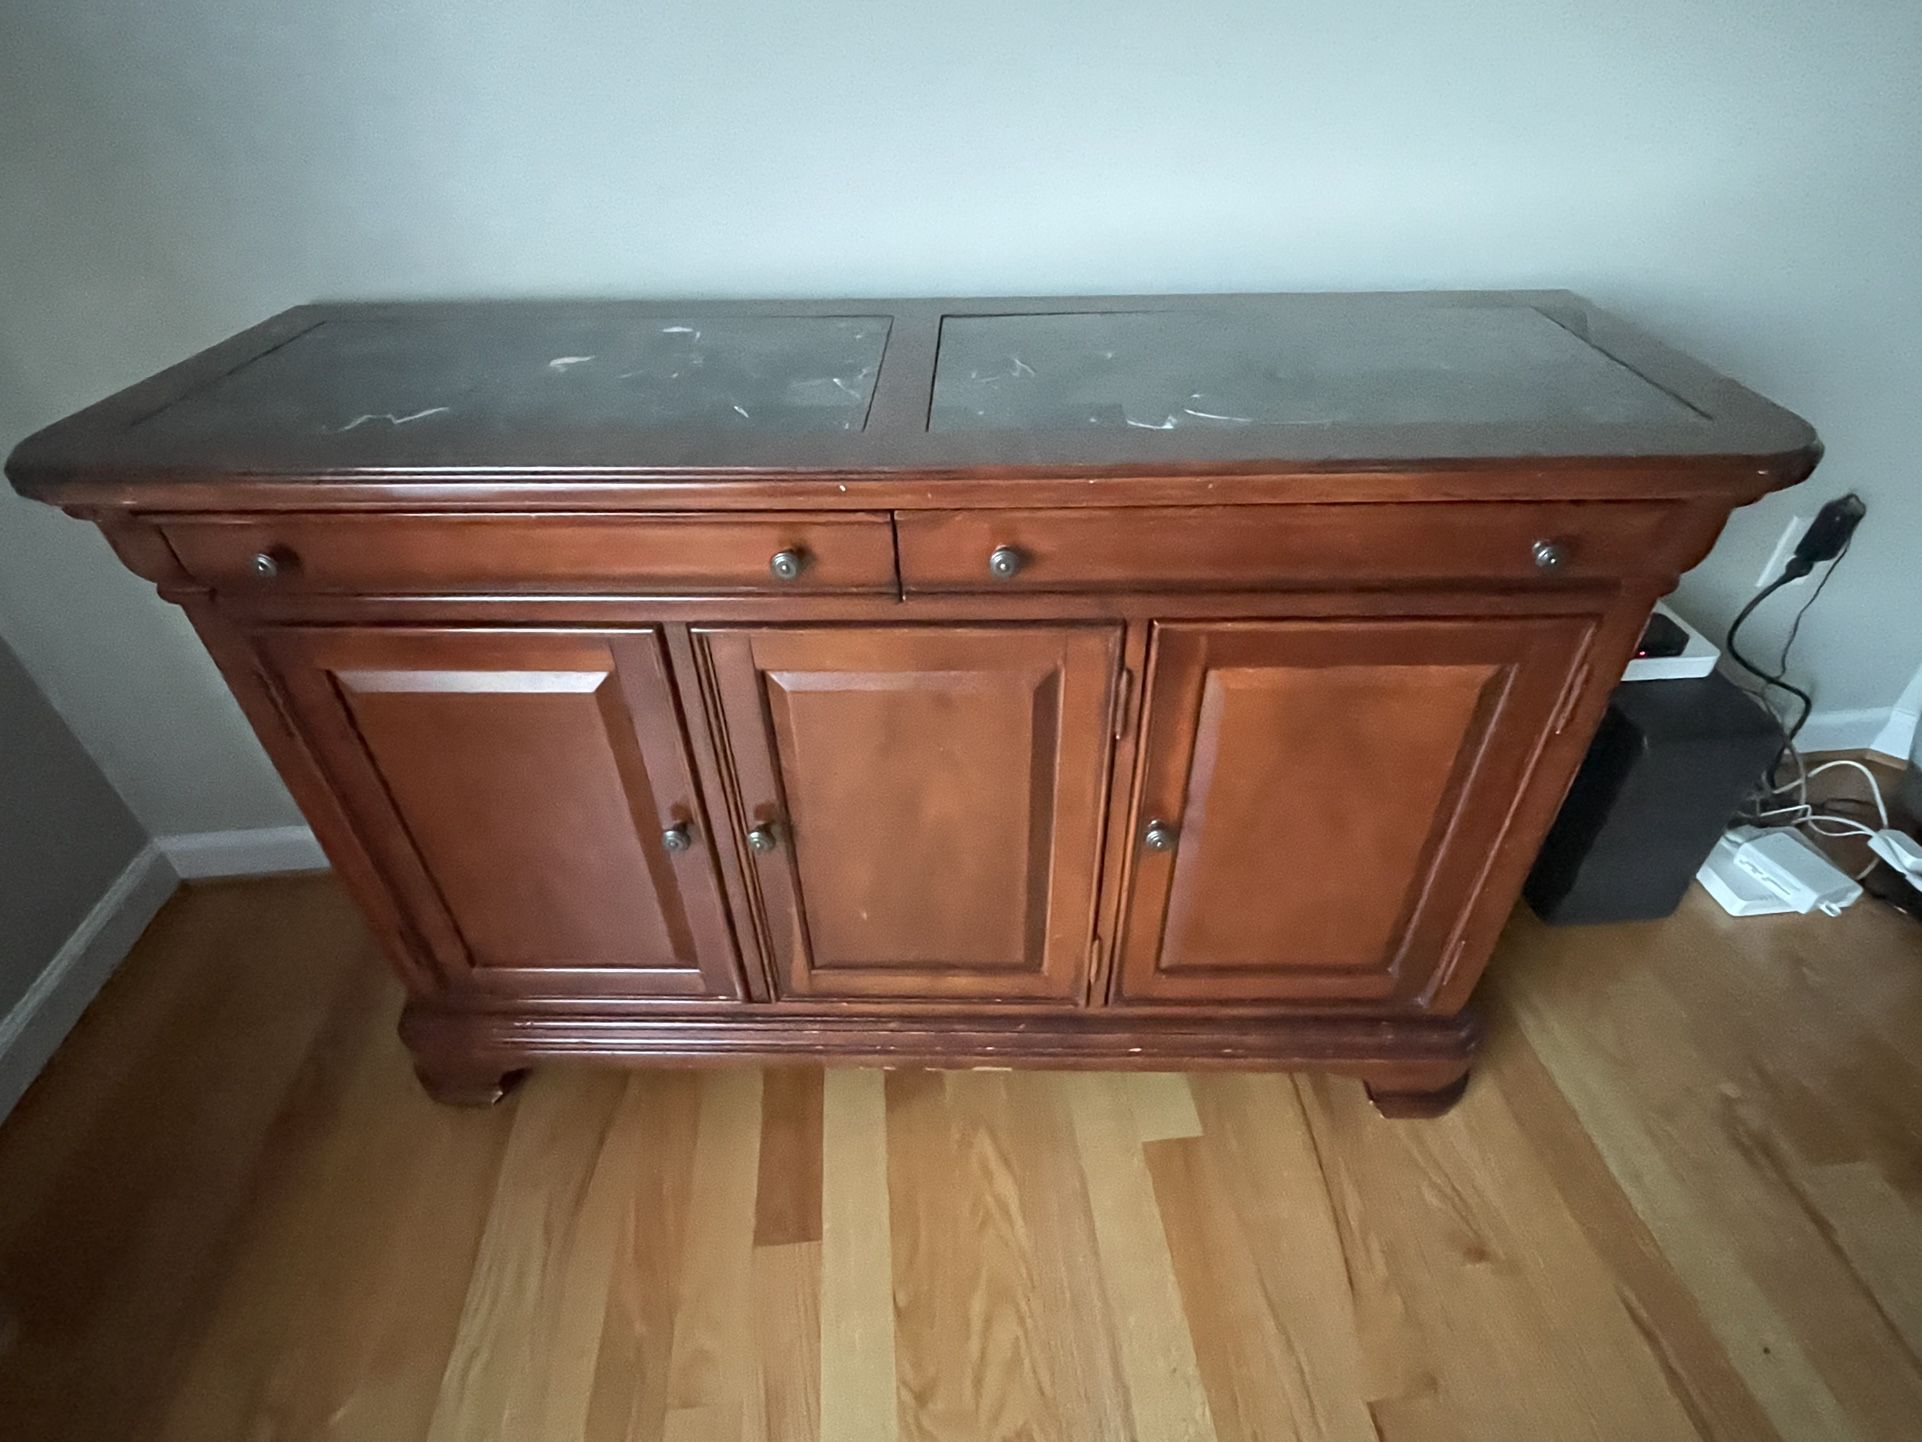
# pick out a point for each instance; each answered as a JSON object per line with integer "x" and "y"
{"x": 1777, "y": 679}
{"x": 1735, "y": 654}
{"x": 1782, "y": 661}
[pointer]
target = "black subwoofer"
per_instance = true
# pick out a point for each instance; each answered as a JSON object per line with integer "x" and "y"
{"x": 1668, "y": 768}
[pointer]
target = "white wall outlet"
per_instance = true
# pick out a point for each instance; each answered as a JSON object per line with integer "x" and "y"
{"x": 1784, "y": 548}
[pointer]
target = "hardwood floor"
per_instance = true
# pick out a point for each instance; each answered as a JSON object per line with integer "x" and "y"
{"x": 1683, "y": 1197}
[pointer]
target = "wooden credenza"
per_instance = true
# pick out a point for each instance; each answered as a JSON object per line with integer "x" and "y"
{"x": 1148, "y": 682}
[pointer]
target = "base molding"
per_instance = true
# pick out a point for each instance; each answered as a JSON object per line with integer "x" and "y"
{"x": 1401, "y": 1058}
{"x": 257, "y": 851}
{"x": 37, "y": 1024}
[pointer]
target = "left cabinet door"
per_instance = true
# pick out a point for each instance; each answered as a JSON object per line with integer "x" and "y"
{"x": 528, "y": 796}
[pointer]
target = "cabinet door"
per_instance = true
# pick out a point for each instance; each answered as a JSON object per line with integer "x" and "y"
{"x": 528, "y": 796}
{"x": 1318, "y": 800}
{"x": 929, "y": 800}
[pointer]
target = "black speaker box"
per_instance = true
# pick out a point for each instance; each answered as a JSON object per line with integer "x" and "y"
{"x": 1668, "y": 768}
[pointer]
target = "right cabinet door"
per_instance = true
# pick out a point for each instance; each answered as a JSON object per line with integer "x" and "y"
{"x": 1318, "y": 800}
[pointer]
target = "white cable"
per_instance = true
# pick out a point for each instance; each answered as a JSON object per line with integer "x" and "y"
{"x": 1875, "y": 787}
{"x": 1814, "y": 821}
{"x": 1853, "y": 828}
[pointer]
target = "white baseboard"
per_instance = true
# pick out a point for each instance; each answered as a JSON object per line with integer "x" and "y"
{"x": 1886, "y": 729}
{"x": 40, "y": 1020}
{"x": 262, "y": 851}
{"x": 1897, "y": 735}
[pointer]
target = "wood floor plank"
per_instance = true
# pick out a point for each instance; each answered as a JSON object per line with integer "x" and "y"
{"x": 108, "y": 1278}
{"x": 971, "y": 1280}
{"x": 1166, "y": 1399}
{"x": 658, "y": 1124}
{"x": 1263, "y": 1155}
{"x": 1877, "y": 1229}
{"x": 521, "y": 1365}
{"x": 1163, "y": 1105}
{"x": 787, "y": 1334}
{"x": 857, "y": 1330}
{"x": 1073, "y": 1343}
{"x": 1682, "y": 1198}
{"x": 1277, "y": 1361}
{"x": 1472, "y": 1237}
{"x": 340, "y": 1308}
{"x": 1700, "y": 1374}
{"x": 1682, "y": 1081}
{"x": 712, "y": 1365}
{"x": 788, "y": 1194}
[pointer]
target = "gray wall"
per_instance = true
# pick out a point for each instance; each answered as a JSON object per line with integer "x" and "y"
{"x": 64, "y": 834}
{"x": 1742, "y": 176}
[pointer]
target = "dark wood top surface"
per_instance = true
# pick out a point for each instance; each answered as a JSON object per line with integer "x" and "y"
{"x": 519, "y": 401}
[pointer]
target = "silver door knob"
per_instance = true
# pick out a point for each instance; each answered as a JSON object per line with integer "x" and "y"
{"x": 761, "y": 838}
{"x": 1004, "y": 562}
{"x": 677, "y": 837}
{"x": 1160, "y": 836}
{"x": 266, "y": 565}
{"x": 786, "y": 565}
{"x": 1549, "y": 555}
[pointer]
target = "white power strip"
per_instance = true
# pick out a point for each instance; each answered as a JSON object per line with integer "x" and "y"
{"x": 1900, "y": 850}
{"x": 1757, "y": 872}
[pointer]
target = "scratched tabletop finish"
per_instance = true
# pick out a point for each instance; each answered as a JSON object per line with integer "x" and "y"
{"x": 535, "y": 393}
{"x": 1233, "y": 366}
{"x": 766, "y": 372}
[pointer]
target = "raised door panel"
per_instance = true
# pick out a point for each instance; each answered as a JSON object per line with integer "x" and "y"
{"x": 933, "y": 800}
{"x": 517, "y": 789}
{"x": 1319, "y": 799}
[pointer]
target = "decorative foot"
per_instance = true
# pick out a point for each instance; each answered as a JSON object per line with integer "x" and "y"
{"x": 466, "y": 1085}
{"x": 1397, "y": 1104}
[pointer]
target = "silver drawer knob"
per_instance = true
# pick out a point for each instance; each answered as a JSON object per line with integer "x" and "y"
{"x": 1549, "y": 555}
{"x": 786, "y": 565}
{"x": 266, "y": 565}
{"x": 761, "y": 838}
{"x": 677, "y": 837}
{"x": 1004, "y": 562}
{"x": 1160, "y": 836}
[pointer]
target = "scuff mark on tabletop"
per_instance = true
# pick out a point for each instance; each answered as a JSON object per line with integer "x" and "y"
{"x": 390, "y": 417}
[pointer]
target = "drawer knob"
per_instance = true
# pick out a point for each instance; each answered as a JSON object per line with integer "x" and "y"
{"x": 677, "y": 837}
{"x": 761, "y": 838}
{"x": 786, "y": 565}
{"x": 1549, "y": 555}
{"x": 1005, "y": 562}
{"x": 1160, "y": 836}
{"x": 266, "y": 565}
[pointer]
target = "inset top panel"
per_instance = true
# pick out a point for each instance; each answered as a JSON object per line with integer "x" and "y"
{"x": 798, "y": 403}
{"x": 1232, "y": 367}
{"x": 496, "y": 372}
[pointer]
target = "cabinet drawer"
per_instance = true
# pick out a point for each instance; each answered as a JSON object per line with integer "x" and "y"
{"x": 650, "y": 554}
{"x": 1247, "y": 547}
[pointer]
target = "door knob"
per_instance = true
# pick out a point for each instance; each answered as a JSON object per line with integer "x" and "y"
{"x": 266, "y": 565}
{"x": 761, "y": 838}
{"x": 677, "y": 837}
{"x": 1005, "y": 561}
{"x": 1549, "y": 555}
{"x": 1160, "y": 836}
{"x": 786, "y": 564}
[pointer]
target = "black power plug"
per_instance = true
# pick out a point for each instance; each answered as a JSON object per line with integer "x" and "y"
{"x": 1828, "y": 534}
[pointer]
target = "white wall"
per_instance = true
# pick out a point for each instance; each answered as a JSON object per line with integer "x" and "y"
{"x": 1744, "y": 177}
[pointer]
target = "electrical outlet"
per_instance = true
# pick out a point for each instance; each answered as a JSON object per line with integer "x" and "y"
{"x": 1784, "y": 548}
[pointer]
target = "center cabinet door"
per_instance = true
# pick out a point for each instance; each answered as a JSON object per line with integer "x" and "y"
{"x": 922, "y": 806}
{"x": 528, "y": 798}
{"x": 1318, "y": 800}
